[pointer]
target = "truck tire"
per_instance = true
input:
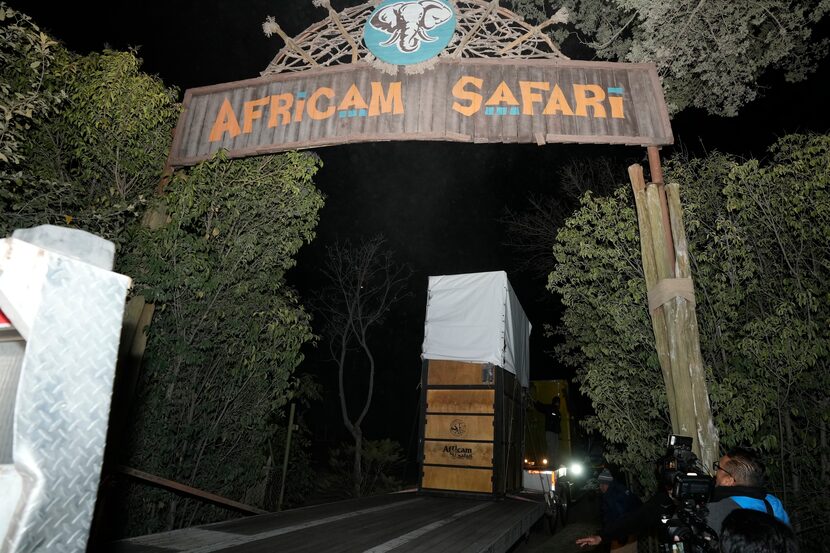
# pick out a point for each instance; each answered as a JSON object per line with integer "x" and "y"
{"x": 564, "y": 493}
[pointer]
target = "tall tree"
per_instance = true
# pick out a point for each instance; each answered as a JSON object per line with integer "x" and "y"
{"x": 709, "y": 54}
{"x": 758, "y": 235}
{"x": 26, "y": 59}
{"x": 224, "y": 346}
{"x": 94, "y": 162}
{"x": 226, "y": 338}
{"x": 363, "y": 283}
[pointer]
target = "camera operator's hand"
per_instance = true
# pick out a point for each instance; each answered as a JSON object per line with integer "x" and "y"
{"x": 589, "y": 540}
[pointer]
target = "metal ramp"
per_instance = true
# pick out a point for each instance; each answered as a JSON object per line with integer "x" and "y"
{"x": 398, "y": 523}
{"x": 57, "y": 363}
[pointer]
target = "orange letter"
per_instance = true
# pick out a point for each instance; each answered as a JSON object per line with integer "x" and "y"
{"x": 474, "y": 98}
{"x": 391, "y": 102}
{"x": 352, "y": 100}
{"x": 298, "y": 110}
{"x": 529, "y": 97}
{"x": 225, "y": 121}
{"x": 616, "y": 107}
{"x": 313, "y": 111}
{"x": 250, "y": 111}
{"x": 583, "y": 100}
{"x": 503, "y": 94}
{"x": 280, "y": 106}
{"x": 557, "y": 102}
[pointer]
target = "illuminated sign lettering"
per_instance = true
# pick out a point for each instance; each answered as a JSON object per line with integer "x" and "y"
{"x": 464, "y": 100}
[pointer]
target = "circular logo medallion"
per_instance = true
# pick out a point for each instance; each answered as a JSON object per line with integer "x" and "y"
{"x": 458, "y": 427}
{"x": 403, "y": 32}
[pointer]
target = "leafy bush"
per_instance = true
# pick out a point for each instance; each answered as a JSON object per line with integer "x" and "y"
{"x": 759, "y": 241}
{"x": 381, "y": 459}
{"x": 227, "y": 332}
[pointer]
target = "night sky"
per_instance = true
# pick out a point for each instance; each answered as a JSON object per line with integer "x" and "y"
{"x": 438, "y": 204}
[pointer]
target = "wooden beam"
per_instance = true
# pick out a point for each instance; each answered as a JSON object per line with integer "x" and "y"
{"x": 658, "y": 316}
{"x": 333, "y": 15}
{"x": 656, "y": 170}
{"x": 189, "y": 491}
{"x": 706, "y": 433}
{"x": 472, "y": 32}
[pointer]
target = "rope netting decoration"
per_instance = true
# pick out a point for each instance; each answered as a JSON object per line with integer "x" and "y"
{"x": 483, "y": 30}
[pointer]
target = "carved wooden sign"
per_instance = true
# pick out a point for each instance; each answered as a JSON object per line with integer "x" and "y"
{"x": 459, "y": 100}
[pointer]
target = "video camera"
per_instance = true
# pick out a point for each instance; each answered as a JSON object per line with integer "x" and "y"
{"x": 685, "y": 528}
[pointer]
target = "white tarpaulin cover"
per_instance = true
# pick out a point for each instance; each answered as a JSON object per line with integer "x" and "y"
{"x": 477, "y": 318}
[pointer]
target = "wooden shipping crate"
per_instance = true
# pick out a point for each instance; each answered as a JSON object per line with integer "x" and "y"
{"x": 471, "y": 429}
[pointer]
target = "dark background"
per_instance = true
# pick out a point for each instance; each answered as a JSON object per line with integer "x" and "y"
{"x": 438, "y": 204}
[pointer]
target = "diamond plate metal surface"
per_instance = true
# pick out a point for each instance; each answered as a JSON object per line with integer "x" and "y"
{"x": 63, "y": 404}
{"x": 11, "y": 359}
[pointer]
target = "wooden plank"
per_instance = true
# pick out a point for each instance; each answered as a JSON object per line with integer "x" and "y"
{"x": 228, "y": 142}
{"x": 399, "y": 522}
{"x": 455, "y": 127}
{"x": 493, "y": 530}
{"x": 509, "y": 131}
{"x": 190, "y": 491}
{"x": 460, "y": 401}
{"x": 641, "y": 121}
{"x": 251, "y": 139}
{"x": 200, "y": 142}
{"x": 532, "y": 127}
{"x": 454, "y": 427}
{"x": 261, "y": 132}
{"x": 458, "y": 479}
{"x": 415, "y": 103}
{"x": 461, "y": 453}
{"x": 195, "y": 109}
{"x": 444, "y": 372}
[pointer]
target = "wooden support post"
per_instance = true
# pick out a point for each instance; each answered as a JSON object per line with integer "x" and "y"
{"x": 285, "y": 457}
{"x": 667, "y": 273}
{"x": 656, "y": 171}
{"x": 658, "y": 318}
{"x": 685, "y": 423}
{"x": 706, "y": 435}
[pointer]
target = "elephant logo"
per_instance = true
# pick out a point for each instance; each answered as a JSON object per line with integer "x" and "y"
{"x": 410, "y": 31}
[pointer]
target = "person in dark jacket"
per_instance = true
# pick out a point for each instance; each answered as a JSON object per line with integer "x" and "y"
{"x": 751, "y": 531}
{"x": 553, "y": 427}
{"x": 739, "y": 484}
{"x": 623, "y": 516}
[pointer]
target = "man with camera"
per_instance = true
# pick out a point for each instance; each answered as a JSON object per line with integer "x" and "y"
{"x": 739, "y": 484}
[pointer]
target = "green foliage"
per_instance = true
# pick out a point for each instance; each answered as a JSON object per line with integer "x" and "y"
{"x": 710, "y": 55}
{"x": 227, "y": 333}
{"x": 381, "y": 458}
{"x": 122, "y": 120}
{"x": 608, "y": 334}
{"x": 84, "y": 141}
{"x": 758, "y": 236}
{"x": 26, "y": 58}
{"x": 96, "y": 161}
